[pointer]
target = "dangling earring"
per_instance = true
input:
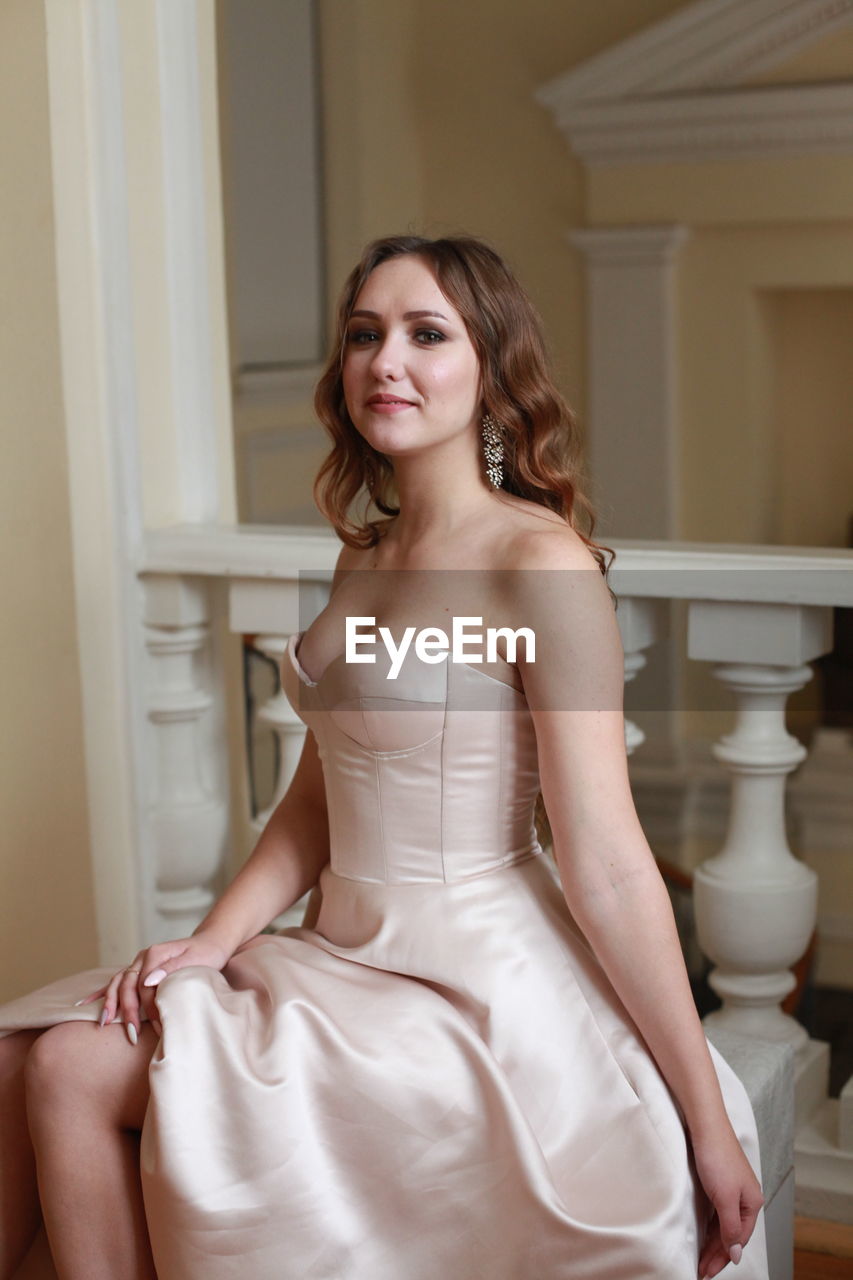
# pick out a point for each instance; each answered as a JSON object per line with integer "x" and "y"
{"x": 493, "y": 449}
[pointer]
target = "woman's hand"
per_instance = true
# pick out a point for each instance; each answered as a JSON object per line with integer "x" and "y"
{"x": 735, "y": 1198}
{"x": 134, "y": 987}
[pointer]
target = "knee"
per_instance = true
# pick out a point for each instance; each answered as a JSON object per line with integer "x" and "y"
{"x": 59, "y": 1062}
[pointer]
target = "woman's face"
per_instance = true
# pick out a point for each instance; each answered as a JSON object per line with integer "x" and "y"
{"x": 411, "y": 376}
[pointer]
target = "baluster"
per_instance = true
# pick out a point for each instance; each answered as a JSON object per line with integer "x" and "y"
{"x": 278, "y": 715}
{"x": 189, "y": 822}
{"x": 756, "y": 904}
{"x": 639, "y": 627}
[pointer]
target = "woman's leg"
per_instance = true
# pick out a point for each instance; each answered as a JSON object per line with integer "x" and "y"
{"x": 20, "y": 1214}
{"x": 87, "y": 1092}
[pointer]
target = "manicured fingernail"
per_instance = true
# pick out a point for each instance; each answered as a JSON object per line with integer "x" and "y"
{"x": 102, "y": 1021}
{"x": 736, "y": 1253}
{"x": 77, "y": 1003}
{"x": 155, "y": 976}
{"x": 131, "y": 1033}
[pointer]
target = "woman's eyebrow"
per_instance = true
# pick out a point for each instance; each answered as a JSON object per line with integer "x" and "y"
{"x": 409, "y": 315}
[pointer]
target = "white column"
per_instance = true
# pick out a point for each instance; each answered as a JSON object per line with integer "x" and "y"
{"x": 756, "y": 904}
{"x": 631, "y": 377}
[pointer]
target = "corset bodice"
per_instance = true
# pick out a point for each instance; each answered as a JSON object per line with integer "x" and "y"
{"x": 430, "y": 777}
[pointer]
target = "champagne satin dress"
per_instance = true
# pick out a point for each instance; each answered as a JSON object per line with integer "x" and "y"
{"x": 437, "y": 1082}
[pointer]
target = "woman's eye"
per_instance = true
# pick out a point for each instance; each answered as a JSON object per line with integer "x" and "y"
{"x": 360, "y": 337}
{"x": 430, "y": 336}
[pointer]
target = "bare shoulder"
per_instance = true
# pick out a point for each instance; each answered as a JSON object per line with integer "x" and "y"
{"x": 550, "y": 546}
{"x": 533, "y": 536}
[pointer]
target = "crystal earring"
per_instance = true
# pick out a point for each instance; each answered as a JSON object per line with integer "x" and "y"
{"x": 493, "y": 449}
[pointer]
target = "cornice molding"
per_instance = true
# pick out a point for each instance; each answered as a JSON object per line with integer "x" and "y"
{"x": 675, "y": 91}
{"x": 637, "y": 246}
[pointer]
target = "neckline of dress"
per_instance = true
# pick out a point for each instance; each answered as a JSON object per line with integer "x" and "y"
{"x": 296, "y": 638}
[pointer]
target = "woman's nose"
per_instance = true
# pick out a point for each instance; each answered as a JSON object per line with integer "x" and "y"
{"x": 388, "y": 358}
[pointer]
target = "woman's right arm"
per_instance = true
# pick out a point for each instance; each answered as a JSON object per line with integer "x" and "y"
{"x": 285, "y": 863}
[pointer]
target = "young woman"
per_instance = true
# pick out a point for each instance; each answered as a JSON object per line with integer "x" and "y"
{"x": 476, "y": 1061}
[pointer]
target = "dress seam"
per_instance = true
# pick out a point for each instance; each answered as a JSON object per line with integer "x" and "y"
{"x": 419, "y": 884}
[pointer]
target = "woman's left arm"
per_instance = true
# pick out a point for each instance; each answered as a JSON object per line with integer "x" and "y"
{"x": 609, "y": 876}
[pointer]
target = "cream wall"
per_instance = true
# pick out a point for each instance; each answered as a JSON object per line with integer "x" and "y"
{"x": 47, "y": 924}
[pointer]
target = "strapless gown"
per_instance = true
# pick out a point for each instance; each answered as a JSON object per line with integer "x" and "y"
{"x": 437, "y": 1082}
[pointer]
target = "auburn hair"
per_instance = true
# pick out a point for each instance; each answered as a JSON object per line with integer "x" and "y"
{"x": 542, "y": 447}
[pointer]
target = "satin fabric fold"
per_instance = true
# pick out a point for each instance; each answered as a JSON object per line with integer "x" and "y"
{"x": 438, "y": 1079}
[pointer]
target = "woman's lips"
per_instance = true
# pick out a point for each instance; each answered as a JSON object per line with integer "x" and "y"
{"x": 388, "y": 404}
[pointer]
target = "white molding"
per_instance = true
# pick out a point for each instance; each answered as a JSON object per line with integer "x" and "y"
{"x": 753, "y": 122}
{"x": 709, "y": 44}
{"x": 671, "y": 92}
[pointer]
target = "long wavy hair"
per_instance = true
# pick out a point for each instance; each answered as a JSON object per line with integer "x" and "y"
{"x": 541, "y": 440}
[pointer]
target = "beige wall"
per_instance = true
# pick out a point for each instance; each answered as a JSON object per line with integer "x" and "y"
{"x": 47, "y": 922}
